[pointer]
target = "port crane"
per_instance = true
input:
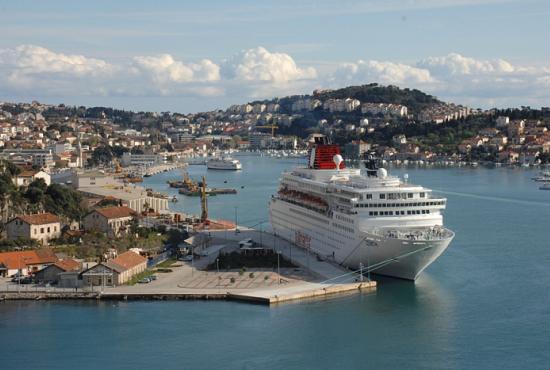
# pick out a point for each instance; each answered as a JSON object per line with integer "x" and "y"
{"x": 272, "y": 127}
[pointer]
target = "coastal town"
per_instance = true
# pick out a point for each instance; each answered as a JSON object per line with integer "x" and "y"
{"x": 75, "y": 218}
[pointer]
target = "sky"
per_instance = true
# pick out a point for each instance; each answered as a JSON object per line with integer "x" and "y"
{"x": 191, "y": 56}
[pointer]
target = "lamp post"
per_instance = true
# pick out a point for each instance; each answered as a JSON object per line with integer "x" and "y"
{"x": 279, "y": 266}
{"x": 236, "y": 221}
{"x": 192, "y": 258}
{"x": 218, "y": 268}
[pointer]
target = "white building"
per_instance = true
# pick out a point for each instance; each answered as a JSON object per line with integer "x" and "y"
{"x": 112, "y": 221}
{"x": 42, "y": 227}
{"x": 502, "y": 121}
{"x": 129, "y": 159}
{"x": 26, "y": 177}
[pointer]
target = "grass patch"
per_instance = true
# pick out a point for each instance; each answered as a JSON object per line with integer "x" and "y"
{"x": 164, "y": 270}
{"x": 168, "y": 263}
{"x": 140, "y": 276}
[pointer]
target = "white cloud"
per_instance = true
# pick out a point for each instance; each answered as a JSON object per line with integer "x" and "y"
{"x": 30, "y": 68}
{"x": 456, "y": 78}
{"x": 165, "y": 69}
{"x": 33, "y": 71}
{"x": 383, "y": 72}
{"x": 259, "y": 64}
{"x": 456, "y": 64}
{"x": 31, "y": 59}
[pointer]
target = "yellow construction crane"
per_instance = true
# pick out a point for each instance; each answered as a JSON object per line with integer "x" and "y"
{"x": 116, "y": 162}
{"x": 272, "y": 127}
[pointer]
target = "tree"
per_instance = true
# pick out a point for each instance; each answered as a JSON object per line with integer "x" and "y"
{"x": 101, "y": 155}
{"x": 64, "y": 201}
{"x": 176, "y": 237}
{"x": 35, "y": 194}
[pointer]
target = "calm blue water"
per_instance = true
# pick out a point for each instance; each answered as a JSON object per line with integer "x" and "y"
{"x": 483, "y": 304}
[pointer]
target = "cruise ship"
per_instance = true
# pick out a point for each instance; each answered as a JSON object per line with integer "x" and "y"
{"x": 224, "y": 163}
{"x": 359, "y": 217}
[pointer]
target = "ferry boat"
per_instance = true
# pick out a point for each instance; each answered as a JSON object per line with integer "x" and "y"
{"x": 359, "y": 217}
{"x": 224, "y": 163}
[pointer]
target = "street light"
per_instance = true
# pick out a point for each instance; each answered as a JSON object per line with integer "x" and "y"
{"x": 279, "y": 266}
{"x": 236, "y": 221}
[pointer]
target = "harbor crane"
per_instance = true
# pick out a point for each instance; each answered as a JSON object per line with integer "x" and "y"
{"x": 272, "y": 127}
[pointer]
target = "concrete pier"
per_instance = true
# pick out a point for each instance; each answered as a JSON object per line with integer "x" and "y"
{"x": 313, "y": 279}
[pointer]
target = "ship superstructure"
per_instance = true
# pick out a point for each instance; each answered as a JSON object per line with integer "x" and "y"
{"x": 359, "y": 216}
{"x": 224, "y": 163}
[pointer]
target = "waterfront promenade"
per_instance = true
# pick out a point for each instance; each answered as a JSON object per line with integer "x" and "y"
{"x": 190, "y": 280}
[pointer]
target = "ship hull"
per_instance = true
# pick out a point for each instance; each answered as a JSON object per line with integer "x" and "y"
{"x": 399, "y": 258}
{"x": 223, "y": 167}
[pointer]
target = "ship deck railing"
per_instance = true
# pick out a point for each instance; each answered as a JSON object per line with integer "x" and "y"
{"x": 434, "y": 233}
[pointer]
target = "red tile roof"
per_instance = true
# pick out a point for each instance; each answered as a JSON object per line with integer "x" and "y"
{"x": 68, "y": 264}
{"x": 17, "y": 260}
{"x": 115, "y": 212}
{"x": 127, "y": 260}
{"x": 27, "y": 173}
{"x": 39, "y": 218}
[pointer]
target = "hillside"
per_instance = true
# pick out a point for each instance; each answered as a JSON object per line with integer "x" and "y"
{"x": 415, "y": 100}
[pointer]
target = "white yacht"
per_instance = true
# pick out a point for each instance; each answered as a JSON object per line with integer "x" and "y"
{"x": 224, "y": 163}
{"x": 359, "y": 217}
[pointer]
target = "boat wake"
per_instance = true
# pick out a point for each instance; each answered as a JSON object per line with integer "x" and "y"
{"x": 496, "y": 199}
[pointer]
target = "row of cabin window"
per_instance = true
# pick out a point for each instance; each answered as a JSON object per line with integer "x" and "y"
{"x": 346, "y": 219}
{"x": 402, "y": 213}
{"x": 342, "y": 227}
{"x": 396, "y": 195}
{"x": 385, "y": 205}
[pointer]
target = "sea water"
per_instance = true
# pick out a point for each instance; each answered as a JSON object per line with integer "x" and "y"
{"x": 483, "y": 304}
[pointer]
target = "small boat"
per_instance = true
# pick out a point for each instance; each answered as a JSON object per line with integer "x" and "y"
{"x": 545, "y": 186}
{"x": 544, "y": 176}
{"x": 174, "y": 199}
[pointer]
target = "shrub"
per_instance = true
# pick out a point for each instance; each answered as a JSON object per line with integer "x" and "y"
{"x": 251, "y": 275}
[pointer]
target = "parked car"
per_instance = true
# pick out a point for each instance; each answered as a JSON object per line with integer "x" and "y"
{"x": 145, "y": 280}
{"x": 26, "y": 280}
{"x": 153, "y": 277}
{"x": 246, "y": 243}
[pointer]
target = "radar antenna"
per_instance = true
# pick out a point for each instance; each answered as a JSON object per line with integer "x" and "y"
{"x": 372, "y": 163}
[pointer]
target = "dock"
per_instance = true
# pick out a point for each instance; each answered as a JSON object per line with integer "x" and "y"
{"x": 210, "y": 192}
{"x": 300, "y": 292}
{"x": 313, "y": 278}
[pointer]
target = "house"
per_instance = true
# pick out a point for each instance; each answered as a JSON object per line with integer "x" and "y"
{"x": 26, "y": 261}
{"x": 50, "y": 273}
{"x": 27, "y": 176}
{"x": 115, "y": 271}
{"x": 113, "y": 221}
{"x": 42, "y": 227}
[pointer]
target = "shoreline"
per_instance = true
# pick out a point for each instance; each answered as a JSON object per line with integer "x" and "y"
{"x": 264, "y": 297}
